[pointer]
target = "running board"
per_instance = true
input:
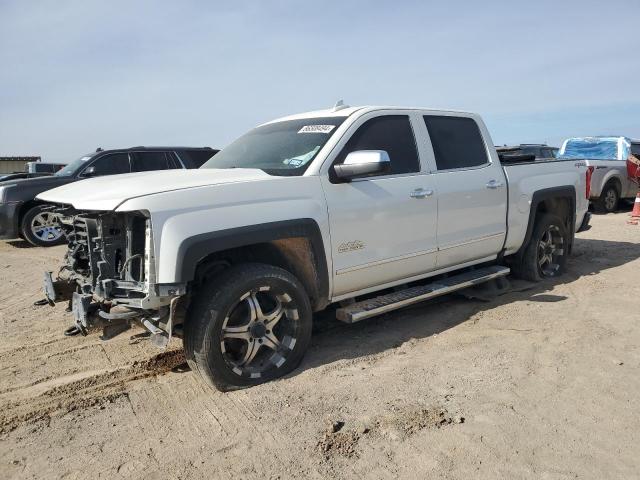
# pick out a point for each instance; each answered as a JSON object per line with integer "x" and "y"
{"x": 393, "y": 301}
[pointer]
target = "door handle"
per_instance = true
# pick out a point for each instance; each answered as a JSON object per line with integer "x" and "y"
{"x": 493, "y": 184}
{"x": 421, "y": 193}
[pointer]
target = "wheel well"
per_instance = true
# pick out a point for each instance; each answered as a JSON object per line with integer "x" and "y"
{"x": 293, "y": 254}
{"x": 560, "y": 206}
{"x": 615, "y": 181}
{"x": 24, "y": 208}
{"x": 560, "y": 201}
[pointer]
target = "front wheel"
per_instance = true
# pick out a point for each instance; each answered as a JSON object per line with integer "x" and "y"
{"x": 250, "y": 324}
{"x": 40, "y": 227}
{"x": 545, "y": 255}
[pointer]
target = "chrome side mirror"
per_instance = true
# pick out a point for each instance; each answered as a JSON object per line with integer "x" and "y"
{"x": 363, "y": 163}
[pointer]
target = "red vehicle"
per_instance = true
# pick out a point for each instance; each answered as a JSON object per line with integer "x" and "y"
{"x": 633, "y": 163}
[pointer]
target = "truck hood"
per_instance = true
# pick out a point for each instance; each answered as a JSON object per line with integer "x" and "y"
{"x": 107, "y": 193}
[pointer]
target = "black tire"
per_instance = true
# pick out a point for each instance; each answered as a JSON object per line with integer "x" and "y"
{"x": 608, "y": 200}
{"x": 223, "y": 361}
{"x": 532, "y": 266}
{"x": 45, "y": 236}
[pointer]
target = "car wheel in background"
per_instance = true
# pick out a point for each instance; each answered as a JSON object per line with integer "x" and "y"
{"x": 608, "y": 200}
{"x": 39, "y": 227}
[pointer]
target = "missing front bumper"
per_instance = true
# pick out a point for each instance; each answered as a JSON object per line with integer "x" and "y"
{"x": 56, "y": 291}
{"x": 91, "y": 313}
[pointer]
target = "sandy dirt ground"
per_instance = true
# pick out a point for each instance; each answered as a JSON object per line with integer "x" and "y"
{"x": 542, "y": 382}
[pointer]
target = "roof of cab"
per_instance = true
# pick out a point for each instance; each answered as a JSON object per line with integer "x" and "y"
{"x": 346, "y": 111}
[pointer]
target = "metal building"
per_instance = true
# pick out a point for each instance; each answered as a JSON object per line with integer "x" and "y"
{"x": 15, "y": 164}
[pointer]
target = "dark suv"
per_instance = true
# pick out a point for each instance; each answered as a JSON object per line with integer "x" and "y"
{"x": 21, "y": 215}
{"x": 539, "y": 150}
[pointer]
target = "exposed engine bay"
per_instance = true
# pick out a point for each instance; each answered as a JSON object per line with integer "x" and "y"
{"x": 108, "y": 274}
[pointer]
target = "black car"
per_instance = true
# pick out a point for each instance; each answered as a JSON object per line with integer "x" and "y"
{"x": 538, "y": 150}
{"x": 21, "y": 215}
{"x": 5, "y": 177}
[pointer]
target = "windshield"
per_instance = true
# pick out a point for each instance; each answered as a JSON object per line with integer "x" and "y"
{"x": 594, "y": 148}
{"x": 281, "y": 148}
{"x": 73, "y": 167}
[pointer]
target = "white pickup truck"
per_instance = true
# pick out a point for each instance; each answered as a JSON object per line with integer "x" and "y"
{"x": 369, "y": 208}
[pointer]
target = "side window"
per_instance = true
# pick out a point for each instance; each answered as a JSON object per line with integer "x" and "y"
{"x": 111, "y": 165}
{"x": 457, "y": 142}
{"x": 173, "y": 160}
{"x": 146, "y": 161}
{"x": 196, "y": 158}
{"x": 391, "y": 133}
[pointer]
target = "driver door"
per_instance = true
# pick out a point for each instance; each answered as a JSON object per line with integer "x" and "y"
{"x": 383, "y": 228}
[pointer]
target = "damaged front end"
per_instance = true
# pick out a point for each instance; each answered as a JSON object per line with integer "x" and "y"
{"x": 108, "y": 275}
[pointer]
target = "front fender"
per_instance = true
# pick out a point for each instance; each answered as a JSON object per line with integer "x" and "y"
{"x": 190, "y": 224}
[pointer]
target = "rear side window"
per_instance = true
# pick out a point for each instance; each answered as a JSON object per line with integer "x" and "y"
{"x": 391, "y": 133}
{"x": 196, "y": 158}
{"x": 635, "y": 149}
{"x": 147, "y": 161}
{"x": 457, "y": 142}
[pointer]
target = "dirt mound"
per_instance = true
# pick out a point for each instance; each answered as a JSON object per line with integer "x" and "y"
{"x": 410, "y": 420}
{"x": 400, "y": 424}
{"x": 335, "y": 441}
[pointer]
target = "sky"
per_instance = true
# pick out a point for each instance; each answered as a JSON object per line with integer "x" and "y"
{"x": 77, "y": 75}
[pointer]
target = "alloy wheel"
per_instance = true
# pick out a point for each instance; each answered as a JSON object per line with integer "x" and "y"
{"x": 610, "y": 200}
{"x": 259, "y": 332}
{"x": 44, "y": 226}
{"x": 550, "y": 250}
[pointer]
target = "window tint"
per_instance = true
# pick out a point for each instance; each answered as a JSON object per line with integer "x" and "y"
{"x": 146, "y": 161}
{"x": 635, "y": 149}
{"x": 457, "y": 142}
{"x": 196, "y": 158}
{"x": 173, "y": 160}
{"x": 391, "y": 133}
{"x": 111, "y": 164}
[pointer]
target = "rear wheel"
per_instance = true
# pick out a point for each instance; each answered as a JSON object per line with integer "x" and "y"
{"x": 251, "y": 324}
{"x": 40, "y": 227}
{"x": 608, "y": 200}
{"x": 545, "y": 255}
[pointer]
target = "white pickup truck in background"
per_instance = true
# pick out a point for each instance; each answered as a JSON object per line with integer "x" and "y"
{"x": 368, "y": 208}
{"x": 606, "y": 160}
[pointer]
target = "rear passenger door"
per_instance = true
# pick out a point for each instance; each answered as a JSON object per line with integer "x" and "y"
{"x": 472, "y": 192}
{"x": 152, "y": 160}
{"x": 383, "y": 228}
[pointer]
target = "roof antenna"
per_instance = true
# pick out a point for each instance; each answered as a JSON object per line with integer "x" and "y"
{"x": 339, "y": 106}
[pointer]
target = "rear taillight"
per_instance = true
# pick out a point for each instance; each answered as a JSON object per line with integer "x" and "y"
{"x": 588, "y": 186}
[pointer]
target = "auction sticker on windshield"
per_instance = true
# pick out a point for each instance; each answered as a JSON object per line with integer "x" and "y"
{"x": 316, "y": 129}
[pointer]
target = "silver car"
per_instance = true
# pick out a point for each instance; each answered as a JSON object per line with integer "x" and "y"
{"x": 606, "y": 159}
